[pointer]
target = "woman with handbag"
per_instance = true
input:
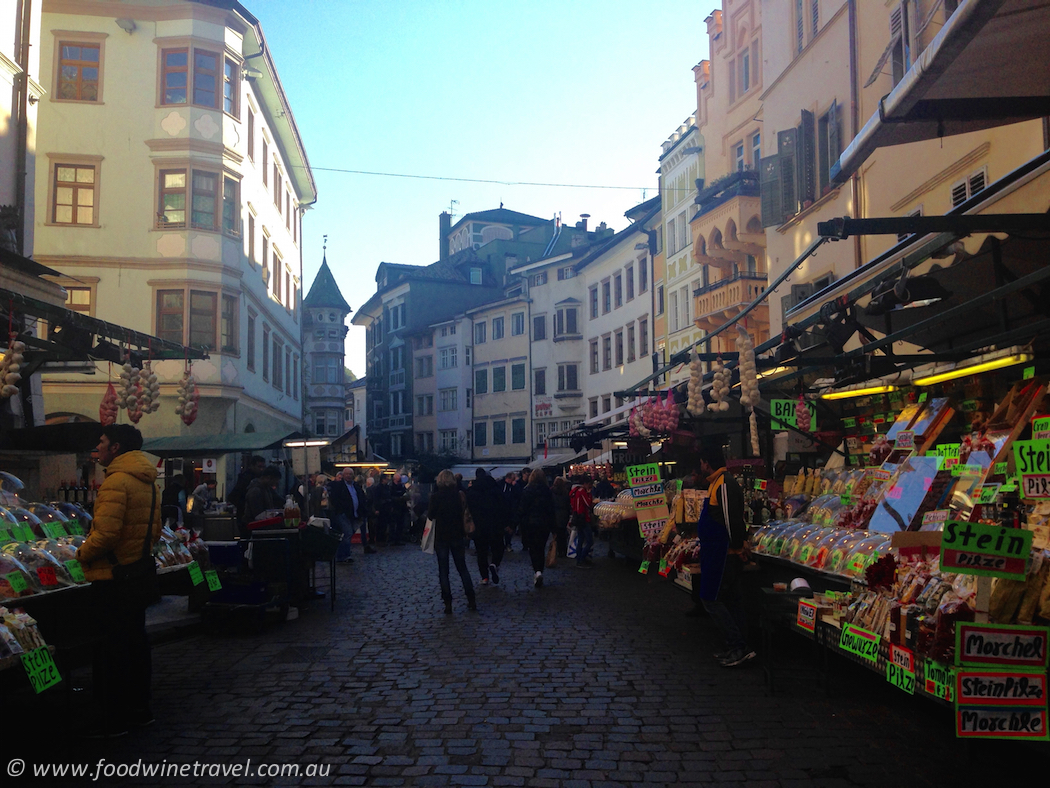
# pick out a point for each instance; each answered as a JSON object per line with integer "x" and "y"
{"x": 448, "y": 511}
{"x": 118, "y": 560}
{"x": 536, "y": 515}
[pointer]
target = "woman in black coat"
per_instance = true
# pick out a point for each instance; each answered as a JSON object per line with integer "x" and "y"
{"x": 446, "y": 509}
{"x": 536, "y": 516}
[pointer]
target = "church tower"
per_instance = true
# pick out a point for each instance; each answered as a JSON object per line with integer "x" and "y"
{"x": 324, "y": 334}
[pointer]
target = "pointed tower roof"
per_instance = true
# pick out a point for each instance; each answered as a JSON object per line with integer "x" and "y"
{"x": 324, "y": 292}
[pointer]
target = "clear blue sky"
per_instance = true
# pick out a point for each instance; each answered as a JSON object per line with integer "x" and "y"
{"x": 579, "y": 92}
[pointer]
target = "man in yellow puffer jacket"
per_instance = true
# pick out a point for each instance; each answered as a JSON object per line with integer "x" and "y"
{"x": 119, "y": 533}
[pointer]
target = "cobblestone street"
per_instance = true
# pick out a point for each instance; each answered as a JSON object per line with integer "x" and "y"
{"x": 597, "y": 679}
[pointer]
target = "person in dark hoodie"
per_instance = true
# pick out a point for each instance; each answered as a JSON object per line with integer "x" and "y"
{"x": 261, "y": 496}
{"x": 446, "y": 510}
{"x": 253, "y": 470}
{"x": 536, "y": 516}
{"x": 489, "y": 509}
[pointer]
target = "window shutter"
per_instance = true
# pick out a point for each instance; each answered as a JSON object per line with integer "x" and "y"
{"x": 769, "y": 181}
{"x": 788, "y": 148}
{"x": 977, "y": 182}
{"x": 807, "y": 157}
{"x": 958, "y": 193}
{"x": 834, "y": 149}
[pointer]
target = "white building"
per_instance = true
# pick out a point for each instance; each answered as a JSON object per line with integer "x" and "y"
{"x": 681, "y": 163}
{"x": 618, "y": 327}
{"x": 171, "y": 182}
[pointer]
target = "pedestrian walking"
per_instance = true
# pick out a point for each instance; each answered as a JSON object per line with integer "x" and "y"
{"x": 348, "y": 507}
{"x": 562, "y": 514}
{"x": 582, "y": 505}
{"x": 490, "y": 511}
{"x": 117, "y": 559}
{"x": 512, "y": 495}
{"x": 398, "y": 510}
{"x": 447, "y": 511}
{"x": 536, "y": 516}
{"x": 723, "y": 552}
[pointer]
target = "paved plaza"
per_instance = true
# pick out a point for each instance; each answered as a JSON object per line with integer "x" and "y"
{"x": 597, "y": 679}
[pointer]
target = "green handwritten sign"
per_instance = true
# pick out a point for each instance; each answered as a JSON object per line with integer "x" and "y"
{"x": 663, "y": 567}
{"x": 41, "y": 669}
{"x": 968, "y": 470}
{"x": 23, "y": 533}
{"x": 940, "y": 680}
{"x": 5, "y": 534}
{"x": 805, "y": 554}
{"x": 987, "y": 550}
{"x": 1029, "y": 373}
{"x": 849, "y": 423}
{"x": 75, "y": 571}
{"x": 860, "y": 642}
{"x": 54, "y": 530}
{"x": 988, "y": 493}
{"x": 1041, "y": 428}
{"x": 643, "y": 568}
{"x": 17, "y": 582}
{"x": 922, "y": 397}
{"x": 905, "y": 439}
{"x": 214, "y": 583}
{"x": 1000, "y": 469}
{"x": 782, "y": 412}
{"x": 900, "y": 678}
{"x": 195, "y": 573}
{"x": 75, "y": 528}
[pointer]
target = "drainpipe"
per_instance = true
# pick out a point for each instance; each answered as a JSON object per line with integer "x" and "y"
{"x": 854, "y": 111}
{"x": 22, "y": 100}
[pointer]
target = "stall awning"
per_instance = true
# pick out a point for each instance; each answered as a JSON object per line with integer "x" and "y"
{"x": 68, "y": 438}
{"x": 988, "y": 66}
{"x": 223, "y": 443}
{"x": 553, "y": 460}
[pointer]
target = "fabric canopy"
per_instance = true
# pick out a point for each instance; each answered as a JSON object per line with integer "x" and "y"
{"x": 223, "y": 443}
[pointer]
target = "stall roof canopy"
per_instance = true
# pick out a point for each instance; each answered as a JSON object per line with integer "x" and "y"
{"x": 222, "y": 443}
{"x": 988, "y": 66}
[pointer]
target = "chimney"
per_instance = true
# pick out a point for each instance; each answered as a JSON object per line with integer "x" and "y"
{"x": 583, "y": 224}
{"x": 445, "y": 224}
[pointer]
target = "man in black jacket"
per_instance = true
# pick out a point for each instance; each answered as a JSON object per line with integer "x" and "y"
{"x": 348, "y": 508}
{"x": 490, "y": 511}
{"x": 253, "y": 470}
{"x": 724, "y": 538}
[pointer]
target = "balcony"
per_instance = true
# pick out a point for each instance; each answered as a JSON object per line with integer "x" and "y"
{"x": 728, "y": 226}
{"x": 390, "y": 423}
{"x": 723, "y": 300}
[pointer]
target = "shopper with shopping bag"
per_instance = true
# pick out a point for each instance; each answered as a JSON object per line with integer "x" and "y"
{"x": 582, "y": 505}
{"x": 536, "y": 515}
{"x": 448, "y": 512}
{"x": 723, "y": 552}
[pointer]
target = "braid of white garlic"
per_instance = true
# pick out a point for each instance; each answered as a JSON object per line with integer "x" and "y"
{"x": 695, "y": 401}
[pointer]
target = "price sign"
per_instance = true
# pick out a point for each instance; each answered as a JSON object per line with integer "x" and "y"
{"x": 76, "y": 571}
{"x": 5, "y": 534}
{"x": 1000, "y": 469}
{"x": 1032, "y": 462}
{"x": 936, "y": 516}
{"x": 1041, "y": 428}
{"x": 807, "y": 615}
{"x": 988, "y": 493}
{"x": 664, "y": 569}
{"x": 860, "y": 642}
{"x": 47, "y": 576}
{"x": 940, "y": 680}
{"x": 906, "y": 439}
{"x": 1001, "y": 704}
{"x": 41, "y": 669}
{"x": 1001, "y": 645}
{"x": 643, "y": 568}
{"x": 950, "y": 452}
{"x": 760, "y": 484}
{"x": 54, "y": 530}
{"x": 849, "y": 423}
{"x": 989, "y": 550}
{"x": 195, "y": 573}
{"x": 922, "y": 397}
{"x": 17, "y": 582}
{"x": 805, "y": 554}
{"x": 74, "y": 527}
{"x": 213, "y": 580}
{"x": 1029, "y": 373}
{"x": 900, "y": 678}
{"x": 23, "y": 533}
{"x": 967, "y": 470}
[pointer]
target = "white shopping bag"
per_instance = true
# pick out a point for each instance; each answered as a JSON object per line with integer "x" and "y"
{"x": 428, "y": 537}
{"x": 573, "y": 539}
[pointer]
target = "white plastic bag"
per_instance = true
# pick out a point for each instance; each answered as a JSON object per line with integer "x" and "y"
{"x": 573, "y": 539}
{"x": 428, "y": 537}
